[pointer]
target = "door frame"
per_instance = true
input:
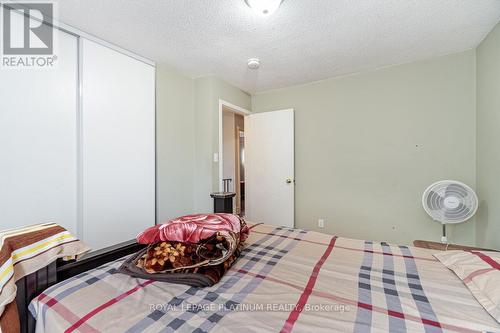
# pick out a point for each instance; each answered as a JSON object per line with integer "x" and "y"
{"x": 235, "y": 109}
{"x": 237, "y": 171}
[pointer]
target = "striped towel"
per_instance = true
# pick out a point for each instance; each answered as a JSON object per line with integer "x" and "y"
{"x": 24, "y": 251}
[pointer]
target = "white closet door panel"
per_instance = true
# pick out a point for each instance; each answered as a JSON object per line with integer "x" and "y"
{"x": 38, "y": 133}
{"x": 118, "y": 112}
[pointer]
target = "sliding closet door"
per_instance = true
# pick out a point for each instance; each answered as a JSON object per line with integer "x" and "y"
{"x": 38, "y": 134}
{"x": 118, "y": 150}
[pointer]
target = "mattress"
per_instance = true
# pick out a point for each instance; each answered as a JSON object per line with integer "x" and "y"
{"x": 285, "y": 280}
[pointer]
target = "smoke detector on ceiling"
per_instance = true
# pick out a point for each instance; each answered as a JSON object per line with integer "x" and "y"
{"x": 264, "y": 7}
{"x": 253, "y": 63}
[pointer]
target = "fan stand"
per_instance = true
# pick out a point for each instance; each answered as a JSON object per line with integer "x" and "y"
{"x": 444, "y": 239}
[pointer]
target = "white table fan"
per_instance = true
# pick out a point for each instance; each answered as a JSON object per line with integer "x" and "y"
{"x": 449, "y": 202}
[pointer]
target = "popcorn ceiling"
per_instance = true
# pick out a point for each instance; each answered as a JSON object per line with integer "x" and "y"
{"x": 303, "y": 41}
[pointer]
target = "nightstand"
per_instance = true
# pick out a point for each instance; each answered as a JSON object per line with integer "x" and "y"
{"x": 443, "y": 247}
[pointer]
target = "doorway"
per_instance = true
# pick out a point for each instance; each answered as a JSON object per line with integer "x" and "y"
{"x": 256, "y": 162}
{"x": 232, "y": 153}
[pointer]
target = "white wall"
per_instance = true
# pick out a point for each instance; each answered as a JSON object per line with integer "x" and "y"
{"x": 367, "y": 145}
{"x": 488, "y": 140}
{"x": 187, "y": 114}
{"x": 209, "y": 90}
{"x": 175, "y": 142}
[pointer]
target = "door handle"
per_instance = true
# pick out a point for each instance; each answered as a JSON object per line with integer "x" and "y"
{"x": 288, "y": 181}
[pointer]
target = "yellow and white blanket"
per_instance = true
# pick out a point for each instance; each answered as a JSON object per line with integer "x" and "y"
{"x": 24, "y": 251}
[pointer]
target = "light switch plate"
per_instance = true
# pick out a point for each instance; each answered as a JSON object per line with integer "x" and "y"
{"x": 216, "y": 157}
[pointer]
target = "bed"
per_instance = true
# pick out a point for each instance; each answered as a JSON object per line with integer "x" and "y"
{"x": 285, "y": 280}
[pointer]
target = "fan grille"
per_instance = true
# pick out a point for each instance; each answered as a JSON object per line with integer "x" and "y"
{"x": 450, "y": 201}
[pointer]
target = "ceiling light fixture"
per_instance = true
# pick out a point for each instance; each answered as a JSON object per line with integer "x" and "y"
{"x": 264, "y": 7}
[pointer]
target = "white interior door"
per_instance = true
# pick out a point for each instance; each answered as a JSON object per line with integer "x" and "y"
{"x": 118, "y": 151}
{"x": 269, "y": 168}
{"x": 38, "y": 132}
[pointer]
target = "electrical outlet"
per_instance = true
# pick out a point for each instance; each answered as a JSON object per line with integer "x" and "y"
{"x": 321, "y": 223}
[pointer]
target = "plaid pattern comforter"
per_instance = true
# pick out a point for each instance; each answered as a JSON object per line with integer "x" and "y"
{"x": 285, "y": 280}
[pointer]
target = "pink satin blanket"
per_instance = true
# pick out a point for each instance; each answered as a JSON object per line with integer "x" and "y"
{"x": 194, "y": 228}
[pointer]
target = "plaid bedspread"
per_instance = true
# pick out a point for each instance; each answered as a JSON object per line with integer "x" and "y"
{"x": 286, "y": 280}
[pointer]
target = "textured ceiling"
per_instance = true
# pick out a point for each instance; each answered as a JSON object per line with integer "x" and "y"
{"x": 304, "y": 41}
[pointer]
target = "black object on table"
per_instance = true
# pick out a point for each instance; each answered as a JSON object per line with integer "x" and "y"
{"x": 223, "y": 202}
